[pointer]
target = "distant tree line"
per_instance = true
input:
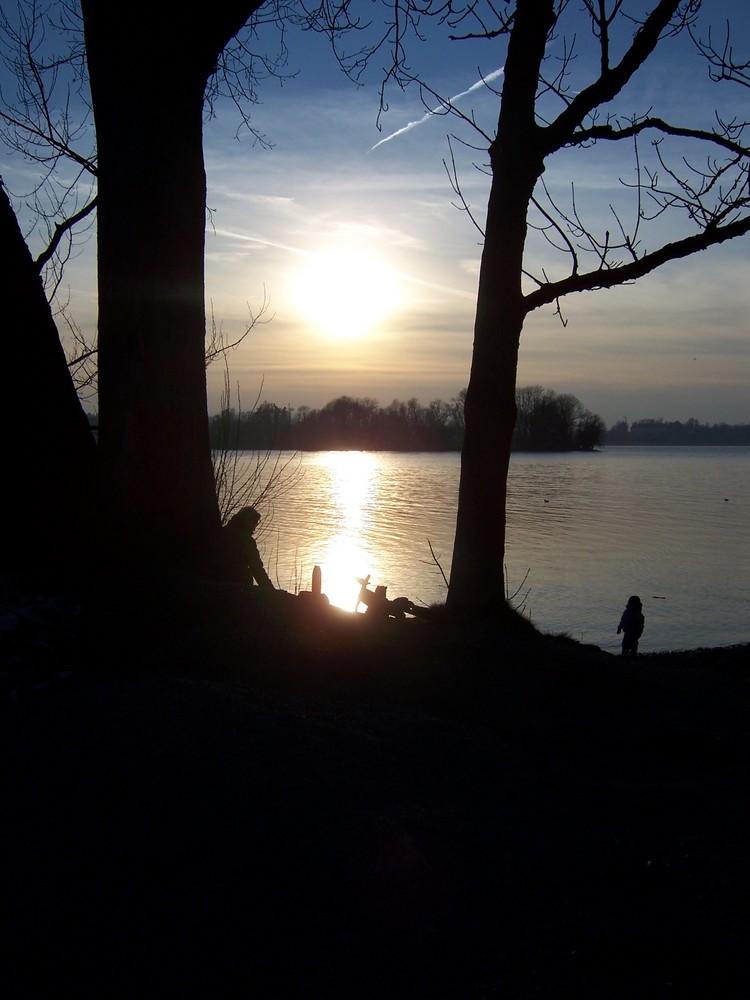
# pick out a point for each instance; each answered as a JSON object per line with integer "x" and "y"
{"x": 344, "y": 423}
{"x": 546, "y": 422}
{"x": 674, "y": 432}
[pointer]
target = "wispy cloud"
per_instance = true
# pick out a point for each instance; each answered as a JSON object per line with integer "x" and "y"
{"x": 441, "y": 108}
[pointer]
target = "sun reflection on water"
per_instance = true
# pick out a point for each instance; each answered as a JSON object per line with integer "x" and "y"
{"x": 580, "y": 526}
{"x": 347, "y": 554}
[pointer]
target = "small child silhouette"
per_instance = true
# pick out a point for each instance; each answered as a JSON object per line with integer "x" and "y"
{"x": 631, "y": 624}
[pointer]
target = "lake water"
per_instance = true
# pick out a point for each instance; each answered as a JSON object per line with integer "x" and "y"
{"x": 584, "y": 532}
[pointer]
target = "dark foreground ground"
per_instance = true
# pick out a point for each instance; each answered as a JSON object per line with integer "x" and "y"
{"x": 205, "y": 795}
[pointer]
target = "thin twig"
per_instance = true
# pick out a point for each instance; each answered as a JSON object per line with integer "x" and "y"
{"x": 437, "y": 562}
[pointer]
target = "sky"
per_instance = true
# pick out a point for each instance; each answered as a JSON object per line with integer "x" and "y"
{"x": 351, "y": 235}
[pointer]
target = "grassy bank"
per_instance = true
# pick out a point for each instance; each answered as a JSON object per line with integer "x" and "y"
{"x": 208, "y": 794}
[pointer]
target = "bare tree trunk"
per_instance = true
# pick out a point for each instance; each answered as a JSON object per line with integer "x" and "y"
{"x": 51, "y": 459}
{"x": 477, "y": 584}
{"x": 148, "y": 77}
{"x": 716, "y": 201}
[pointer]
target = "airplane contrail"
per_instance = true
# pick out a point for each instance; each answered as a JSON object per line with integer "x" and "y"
{"x": 429, "y": 114}
{"x": 261, "y": 241}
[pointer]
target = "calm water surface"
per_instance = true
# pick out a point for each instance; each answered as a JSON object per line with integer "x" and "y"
{"x": 584, "y": 532}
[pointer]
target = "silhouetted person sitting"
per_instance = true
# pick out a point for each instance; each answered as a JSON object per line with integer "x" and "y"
{"x": 631, "y": 624}
{"x": 241, "y": 555}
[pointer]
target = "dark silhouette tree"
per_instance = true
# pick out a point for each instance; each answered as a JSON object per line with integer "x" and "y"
{"x": 49, "y": 492}
{"x": 549, "y": 106}
{"x": 45, "y": 117}
{"x": 148, "y": 74}
{"x": 150, "y": 78}
{"x": 567, "y": 73}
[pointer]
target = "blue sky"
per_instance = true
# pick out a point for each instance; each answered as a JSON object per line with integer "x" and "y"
{"x": 674, "y": 345}
{"x": 326, "y": 198}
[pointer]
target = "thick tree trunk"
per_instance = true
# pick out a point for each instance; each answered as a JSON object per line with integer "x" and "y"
{"x": 49, "y": 482}
{"x": 477, "y": 583}
{"x": 148, "y": 73}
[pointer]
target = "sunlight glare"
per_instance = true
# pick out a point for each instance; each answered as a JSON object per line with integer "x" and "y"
{"x": 347, "y": 556}
{"x": 346, "y": 292}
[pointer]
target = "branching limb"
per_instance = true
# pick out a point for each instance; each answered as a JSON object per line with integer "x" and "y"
{"x": 722, "y": 140}
{"x": 666, "y": 17}
{"x": 61, "y": 230}
{"x": 722, "y": 62}
{"x": 219, "y": 347}
{"x": 625, "y": 273}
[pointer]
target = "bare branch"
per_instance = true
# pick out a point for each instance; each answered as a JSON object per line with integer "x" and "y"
{"x": 723, "y": 66}
{"x": 552, "y": 225}
{"x": 503, "y": 28}
{"x": 219, "y": 347}
{"x": 723, "y": 140}
{"x": 667, "y": 17}
{"x": 452, "y": 172}
{"x": 81, "y": 356}
{"x": 61, "y": 230}
{"x": 625, "y": 273}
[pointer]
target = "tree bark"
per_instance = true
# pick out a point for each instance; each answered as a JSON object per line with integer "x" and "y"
{"x": 49, "y": 510}
{"x": 477, "y": 581}
{"x": 148, "y": 70}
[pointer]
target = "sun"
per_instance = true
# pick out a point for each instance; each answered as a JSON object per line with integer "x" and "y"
{"x": 346, "y": 292}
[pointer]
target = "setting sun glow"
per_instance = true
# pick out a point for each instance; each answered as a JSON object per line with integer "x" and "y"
{"x": 346, "y": 292}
